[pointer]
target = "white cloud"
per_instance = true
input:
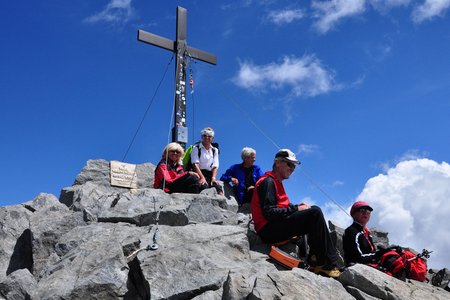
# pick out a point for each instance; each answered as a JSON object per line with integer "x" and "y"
{"x": 116, "y": 12}
{"x": 430, "y": 9}
{"x": 285, "y": 16}
{"x": 385, "y": 5}
{"x": 305, "y": 149}
{"x": 411, "y": 202}
{"x": 329, "y": 13}
{"x": 410, "y": 154}
{"x": 305, "y": 76}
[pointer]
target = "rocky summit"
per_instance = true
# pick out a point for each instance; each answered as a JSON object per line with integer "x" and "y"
{"x": 103, "y": 242}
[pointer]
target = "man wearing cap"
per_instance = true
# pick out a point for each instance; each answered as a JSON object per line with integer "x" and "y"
{"x": 277, "y": 220}
{"x": 358, "y": 244}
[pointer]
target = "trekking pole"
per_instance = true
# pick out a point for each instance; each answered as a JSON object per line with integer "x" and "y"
{"x": 425, "y": 253}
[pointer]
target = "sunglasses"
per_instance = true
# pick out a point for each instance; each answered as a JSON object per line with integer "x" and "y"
{"x": 290, "y": 164}
{"x": 175, "y": 151}
{"x": 364, "y": 210}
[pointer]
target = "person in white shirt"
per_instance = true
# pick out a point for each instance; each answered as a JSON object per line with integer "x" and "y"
{"x": 207, "y": 163}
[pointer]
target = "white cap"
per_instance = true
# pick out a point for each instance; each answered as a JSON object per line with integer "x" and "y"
{"x": 288, "y": 155}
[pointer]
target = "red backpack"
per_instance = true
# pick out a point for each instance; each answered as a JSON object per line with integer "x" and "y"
{"x": 402, "y": 263}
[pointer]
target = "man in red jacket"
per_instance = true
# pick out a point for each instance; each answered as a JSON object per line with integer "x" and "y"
{"x": 277, "y": 219}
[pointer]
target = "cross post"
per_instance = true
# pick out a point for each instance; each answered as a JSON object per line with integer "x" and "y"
{"x": 182, "y": 51}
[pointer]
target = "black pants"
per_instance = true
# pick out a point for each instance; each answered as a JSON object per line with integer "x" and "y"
{"x": 248, "y": 194}
{"x": 185, "y": 184}
{"x": 208, "y": 176}
{"x": 309, "y": 221}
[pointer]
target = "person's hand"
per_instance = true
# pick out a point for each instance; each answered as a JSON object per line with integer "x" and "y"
{"x": 214, "y": 180}
{"x": 303, "y": 206}
{"x": 234, "y": 181}
{"x": 250, "y": 188}
{"x": 202, "y": 180}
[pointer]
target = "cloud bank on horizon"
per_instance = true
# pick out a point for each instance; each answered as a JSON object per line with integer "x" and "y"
{"x": 410, "y": 202}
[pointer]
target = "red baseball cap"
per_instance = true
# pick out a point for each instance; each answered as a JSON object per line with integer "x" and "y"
{"x": 359, "y": 204}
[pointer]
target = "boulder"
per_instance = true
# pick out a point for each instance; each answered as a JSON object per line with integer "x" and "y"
{"x": 18, "y": 285}
{"x": 15, "y": 234}
{"x": 380, "y": 285}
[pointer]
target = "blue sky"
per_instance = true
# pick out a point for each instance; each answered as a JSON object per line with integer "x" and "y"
{"x": 359, "y": 89}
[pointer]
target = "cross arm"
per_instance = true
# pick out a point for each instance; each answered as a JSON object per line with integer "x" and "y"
{"x": 202, "y": 55}
{"x": 156, "y": 40}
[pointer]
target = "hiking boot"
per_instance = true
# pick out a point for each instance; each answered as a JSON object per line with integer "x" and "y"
{"x": 327, "y": 270}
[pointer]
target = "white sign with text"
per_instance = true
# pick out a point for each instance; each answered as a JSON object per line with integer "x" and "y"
{"x": 123, "y": 175}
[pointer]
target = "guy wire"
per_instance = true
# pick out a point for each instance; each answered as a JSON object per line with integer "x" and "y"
{"x": 278, "y": 148}
{"x": 148, "y": 108}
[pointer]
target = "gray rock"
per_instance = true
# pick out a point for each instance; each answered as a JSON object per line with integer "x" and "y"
{"x": 98, "y": 171}
{"x": 47, "y": 226}
{"x": 193, "y": 259}
{"x": 379, "y": 237}
{"x": 337, "y": 234}
{"x": 91, "y": 196}
{"x": 15, "y": 236}
{"x": 360, "y": 295}
{"x": 95, "y": 243}
{"x": 441, "y": 278}
{"x": 19, "y": 285}
{"x": 45, "y": 201}
{"x": 297, "y": 284}
{"x": 91, "y": 264}
{"x": 380, "y": 285}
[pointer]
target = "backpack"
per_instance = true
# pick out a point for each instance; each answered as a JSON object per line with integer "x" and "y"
{"x": 187, "y": 163}
{"x": 401, "y": 263}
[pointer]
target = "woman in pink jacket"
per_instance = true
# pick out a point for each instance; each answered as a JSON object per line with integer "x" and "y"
{"x": 169, "y": 173}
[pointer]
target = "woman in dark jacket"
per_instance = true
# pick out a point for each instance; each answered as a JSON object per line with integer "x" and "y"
{"x": 169, "y": 173}
{"x": 358, "y": 244}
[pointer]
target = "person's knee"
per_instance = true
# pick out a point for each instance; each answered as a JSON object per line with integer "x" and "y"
{"x": 316, "y": 210}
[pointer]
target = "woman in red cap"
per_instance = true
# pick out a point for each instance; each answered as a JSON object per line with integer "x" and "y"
{"x": 358, "y": 244}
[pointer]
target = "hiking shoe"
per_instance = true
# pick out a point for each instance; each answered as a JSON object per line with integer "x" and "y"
{"x": 327, "y": 270}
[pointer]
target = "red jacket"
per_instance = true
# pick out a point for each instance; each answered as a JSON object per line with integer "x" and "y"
{"x": 170, "y": 173}
{"x": 270, "y": 202}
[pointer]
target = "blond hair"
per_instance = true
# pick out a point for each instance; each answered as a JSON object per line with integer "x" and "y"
{"x": 173, "y": 147}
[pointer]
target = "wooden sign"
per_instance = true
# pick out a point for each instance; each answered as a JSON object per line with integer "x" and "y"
{"x": 123, "y": 174}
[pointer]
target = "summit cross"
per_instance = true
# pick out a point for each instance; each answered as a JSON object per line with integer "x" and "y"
{"x": 182, "y": 51}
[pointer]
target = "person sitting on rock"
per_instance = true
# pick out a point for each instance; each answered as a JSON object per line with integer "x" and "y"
{"x": 243, "y": 176}
{"x": 207, "y": 163}
{"x": 276, "y": 219}
{"x": 357, "y": 241}
{"x": 169, "y": 173}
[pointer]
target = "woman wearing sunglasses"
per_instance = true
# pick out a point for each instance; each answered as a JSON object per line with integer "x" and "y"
{"x": 169, "y": 173}
{"x": 357, "y": 241}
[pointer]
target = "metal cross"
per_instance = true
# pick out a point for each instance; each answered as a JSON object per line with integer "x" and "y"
{"x": 182, "y": 50}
